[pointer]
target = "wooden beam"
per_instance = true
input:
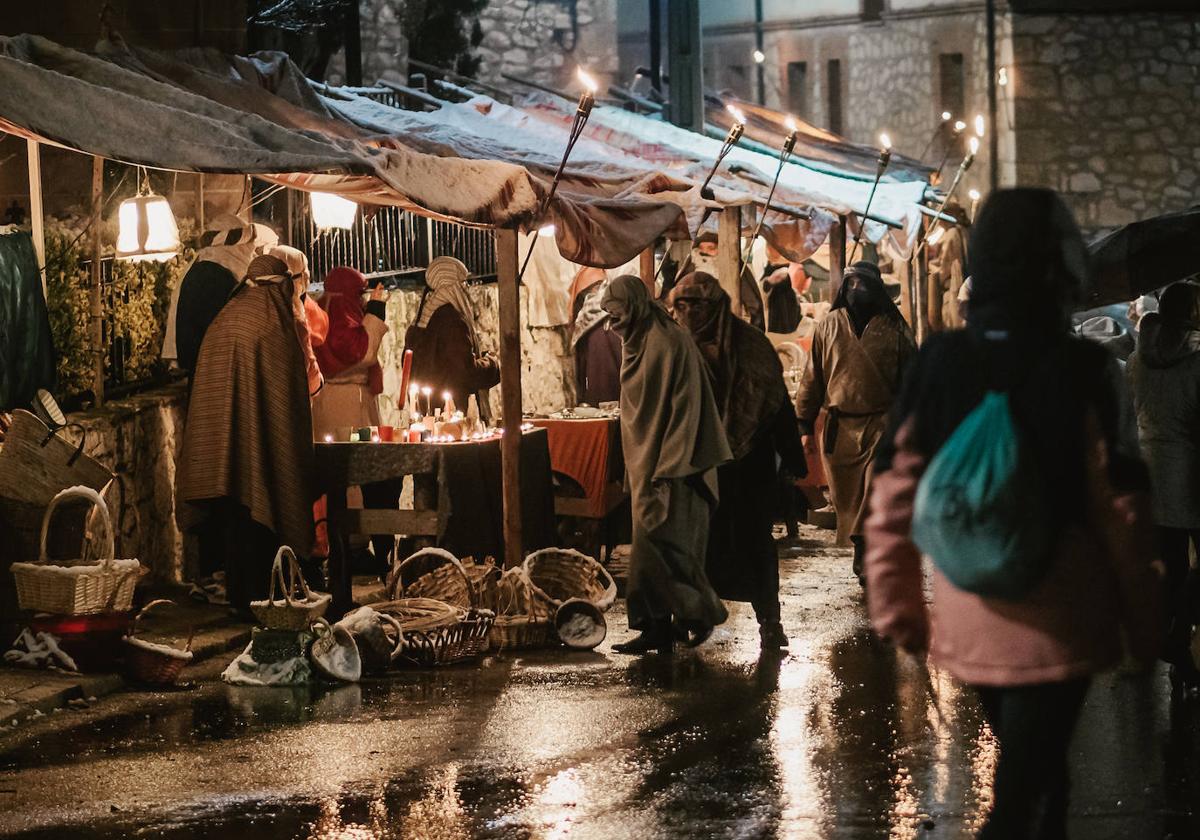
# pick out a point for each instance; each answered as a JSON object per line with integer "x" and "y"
{"x": 96, "y": 324}
{"x": 510, "y": 390}
{"x": 646, "y": 268}
{"x": 920, "y": 304}
{"x": 729, "y": 255}
{"x": 837, "y": 256}
{"x": 37, "y": 216}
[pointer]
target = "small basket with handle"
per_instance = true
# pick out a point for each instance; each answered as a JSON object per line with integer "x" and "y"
{"x": 78, "y": 586}
{"x": 152, "y": 663}
{"x": 433, "y": 573}
{"x": 557, "y": 575}
{"x": 517, "y": 625}
{"x": 298, "y": 605}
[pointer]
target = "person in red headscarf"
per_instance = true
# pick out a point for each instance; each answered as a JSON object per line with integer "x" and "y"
{"x": 349, "y": 358}
{"x": 349, "y": 361}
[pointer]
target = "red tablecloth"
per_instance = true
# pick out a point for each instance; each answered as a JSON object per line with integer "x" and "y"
{"x": 583, "y": 450}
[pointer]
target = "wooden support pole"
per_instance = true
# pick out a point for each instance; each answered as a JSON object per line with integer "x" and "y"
{"x": 96, "y": 323}
{"x": 920, "y": 304}
{"x": 646, "y": 268}
{"x": 37, "y": 216}
{"x": 837, "y": 256}
{"x": 200, "y": 203}
{"x": 729, "y": 255}
{"x": 510, "y": 390}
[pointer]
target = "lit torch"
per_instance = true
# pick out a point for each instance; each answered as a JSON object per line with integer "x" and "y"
{"x": 789, "y": 145}
{"x": 885, "y": 157}
{"x": 972, "y": 150}
{"x": 735, "y": 134}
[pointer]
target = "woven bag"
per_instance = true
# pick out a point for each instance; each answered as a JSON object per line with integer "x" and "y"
{"x": 299, "y": 605}
{"x": 79, "y": 586}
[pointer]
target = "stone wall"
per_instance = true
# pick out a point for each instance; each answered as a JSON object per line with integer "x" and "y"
{"x": 545, "y": 40}
{"x": 139, "y": 439}
{"x": 384, "y": 45}
{"x": 1107, "y": 109}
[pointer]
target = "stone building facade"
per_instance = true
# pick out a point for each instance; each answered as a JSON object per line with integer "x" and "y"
{"x": 1096, "y": 105}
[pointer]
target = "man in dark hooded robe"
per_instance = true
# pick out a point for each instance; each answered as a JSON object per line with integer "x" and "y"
{"x": 747, "y": 379}
{"x": 859, "y": 353}
{"x": 673, "y": 440}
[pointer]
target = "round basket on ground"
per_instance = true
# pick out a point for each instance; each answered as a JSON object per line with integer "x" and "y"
{"x": 432, "y": 573}
{"x": 517, "y": 627}
{"x": 437, "y": 633}
{"x": 420, "y": 613}
{"x": 150, "y": 662}
{"x": 485, "y": 581}
{"x": 558, "y": 574}
{"x": 580, "y": 624}
{"x": 299, "y": 605}
{"x": 77, "y": 587}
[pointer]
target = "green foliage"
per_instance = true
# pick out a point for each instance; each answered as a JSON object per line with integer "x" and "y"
{"x": 135, "y": 302}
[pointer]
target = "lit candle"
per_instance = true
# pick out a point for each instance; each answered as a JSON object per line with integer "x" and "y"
{"x": 427, "y": 392}
{"x": 447, "y": 403}
{"x": 329, "y": 438}
{"x": 413, "y": 390}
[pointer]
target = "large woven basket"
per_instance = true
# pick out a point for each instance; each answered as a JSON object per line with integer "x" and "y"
{"x": 151, "y": 663}
{"x": 485, "y": 580}
{"x": 556, "y": 575}
{"x": 517, "y": 625}
{"x": 437, "y": 633}
{"x": 433, "y": 573}
{"x": 299, "y": 606}
{"x": 79, "y": 586}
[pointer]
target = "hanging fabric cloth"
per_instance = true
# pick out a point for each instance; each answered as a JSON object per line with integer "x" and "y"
{"x": 26, "y": 349}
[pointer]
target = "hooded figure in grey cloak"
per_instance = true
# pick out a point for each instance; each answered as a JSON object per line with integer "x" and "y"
{"x": 674, "y": 440}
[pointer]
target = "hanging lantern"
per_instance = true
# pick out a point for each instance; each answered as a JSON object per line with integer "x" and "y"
{"x": 332, "y": 211}
{"x": 146, "y": 228}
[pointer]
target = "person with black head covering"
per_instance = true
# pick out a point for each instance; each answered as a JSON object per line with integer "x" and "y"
{"x": 859, "y": 353}
{"x": 673, "y": 441}
{"x": 1029, "y": 656}
{"x": 747, "y": 379}
{"x": 1165, "y": 374}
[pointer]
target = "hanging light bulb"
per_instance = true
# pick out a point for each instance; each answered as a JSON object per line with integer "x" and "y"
{"x": 759, "y": 56}
{"x": 146, "y": 227}
{"x": 332, "y": 211}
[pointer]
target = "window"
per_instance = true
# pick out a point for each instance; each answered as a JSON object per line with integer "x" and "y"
{"x": 872, "y": 9}
{"x": 833, "y": 94}
{"x": 797, "y": 88}
{"x": 952, "y": 83}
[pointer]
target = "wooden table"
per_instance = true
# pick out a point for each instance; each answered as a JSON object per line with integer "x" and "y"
{"x": 440, "y": 473}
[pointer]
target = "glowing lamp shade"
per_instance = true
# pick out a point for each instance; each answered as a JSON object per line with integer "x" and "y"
{"x": 332, "y": 211}
{"x": 146, "y": 229}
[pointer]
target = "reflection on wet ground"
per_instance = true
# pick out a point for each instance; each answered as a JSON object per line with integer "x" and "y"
{"x": 840, "y": 739}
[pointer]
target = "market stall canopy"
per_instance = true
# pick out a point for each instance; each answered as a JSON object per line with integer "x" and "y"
{"x": 1143, "y": 256}
{"x": 653, "y": 140}
{"x": 257, "y": 116}
{"x": 816, "y": 148}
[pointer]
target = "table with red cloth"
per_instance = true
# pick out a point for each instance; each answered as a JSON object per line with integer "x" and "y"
{"x": 588, "y": 451}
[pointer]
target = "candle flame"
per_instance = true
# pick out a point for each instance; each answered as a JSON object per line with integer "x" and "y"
{"x": 587, "y": 81}
{"x": 946, "y": 116}
{"x": 973, "y": 143}
{"x": 426, "y": 390}
{"x": 885, "y": 141}
{"x": 979, "y": 124}
{"x": 973, "y": 195}
{"x": 791, "y": 124}
{"x": 960, "y": 126}
{"x": 737, "y": 115}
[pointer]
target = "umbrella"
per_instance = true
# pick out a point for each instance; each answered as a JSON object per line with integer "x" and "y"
{"x": 1144, "y": 256}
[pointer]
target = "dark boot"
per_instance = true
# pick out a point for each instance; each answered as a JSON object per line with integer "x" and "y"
{"x": 658, "y": 637}
{"x": 860, "y": 551}
{"x": 771, "y": 636}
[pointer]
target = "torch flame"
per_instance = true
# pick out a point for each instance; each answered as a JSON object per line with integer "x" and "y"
{"x": 587, "y": 81}
{"x": 973, "y": 195}
{"x": 737, "y": 115}
{"x": 979, "y": 124}
{"x": 959, "y": 126}
{"x": 946, "y": 116}
{"x": 936, "y": 236}
{"x": 973, "y": 143}
{"x": 791, "y": 124}
{"x": 885, "y": 141}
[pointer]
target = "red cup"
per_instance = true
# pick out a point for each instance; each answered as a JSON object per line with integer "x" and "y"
{"x": 387, "y": 433}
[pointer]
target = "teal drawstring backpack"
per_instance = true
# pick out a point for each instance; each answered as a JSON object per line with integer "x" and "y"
{"x": 980, "y": 514}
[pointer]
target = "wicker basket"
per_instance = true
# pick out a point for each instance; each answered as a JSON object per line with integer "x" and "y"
{"x": 433, "y": 573}
{"x": 517, "y": 627}
{"x": 485, "y": 580}
{"x": 154, "y": 664}
{"x": 556, "y": 575}
{"x": 77, "y": 587}
{"x": 437, "y": 633}
{"x": 292, "y": 612}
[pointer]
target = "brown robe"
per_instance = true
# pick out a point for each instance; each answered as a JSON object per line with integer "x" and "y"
{"x": 855, "y": 380}
{"x": 248, "y": 437}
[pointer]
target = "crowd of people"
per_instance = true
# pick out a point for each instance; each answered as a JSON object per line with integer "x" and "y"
{"x": 1085, "y": 484}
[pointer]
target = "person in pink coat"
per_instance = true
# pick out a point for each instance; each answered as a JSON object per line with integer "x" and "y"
{"x": 1029, "y": 660}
